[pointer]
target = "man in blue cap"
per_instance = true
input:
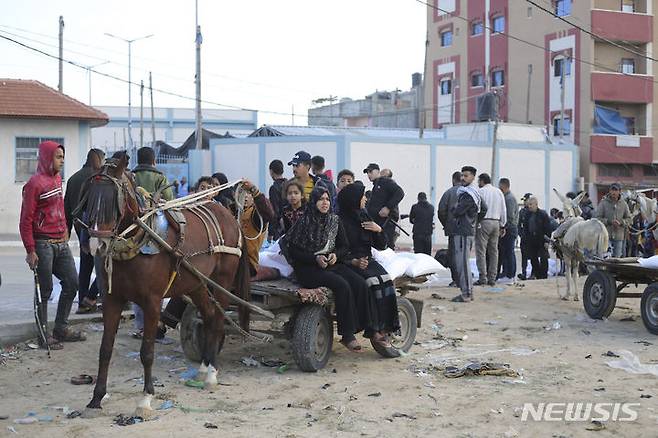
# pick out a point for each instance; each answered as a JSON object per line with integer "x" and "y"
{"x": 301, "y": 167}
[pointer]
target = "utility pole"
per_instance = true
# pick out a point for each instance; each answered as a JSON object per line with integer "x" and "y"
{"x": 293, "y": 115}
{"x": 494, "y": 142}
{"x": 199, "y": 40}
{"x": 152, "y": 111}
{"x": 421, "y": 98}
{"x": 131, "y": 144}
{"x": 562, "y": 87}
{"x": 89, "y": 71}
{"x": 141, "y": 114}
{"x": 527, "y": 100}
{"x": 60, "y": 86}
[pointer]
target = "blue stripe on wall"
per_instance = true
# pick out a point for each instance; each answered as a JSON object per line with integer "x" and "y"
{"x": 262, "y": 178}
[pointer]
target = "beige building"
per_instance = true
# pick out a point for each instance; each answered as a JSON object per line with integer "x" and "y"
{"x": 31, "y": 112}
{"x": 546, "y": 70}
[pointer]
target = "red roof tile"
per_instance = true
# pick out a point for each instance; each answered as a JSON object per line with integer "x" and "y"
{"x": 32, "y": 99}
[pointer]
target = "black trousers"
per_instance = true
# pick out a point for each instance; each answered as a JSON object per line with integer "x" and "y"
{"x": 538, "y": 255}
{"x": 423, "y": 244}
{"x": 84, "y": 276}
{"x": 524, "y": 256}
{"x": 349, "y": 289}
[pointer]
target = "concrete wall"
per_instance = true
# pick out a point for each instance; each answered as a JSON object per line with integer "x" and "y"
{"x": 418, "y": 165}
{"x": 76, "y": 139}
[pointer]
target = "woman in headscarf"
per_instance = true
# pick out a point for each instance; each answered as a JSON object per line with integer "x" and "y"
{"x": 379, "y": 316}
{"x": 315, "y": 247}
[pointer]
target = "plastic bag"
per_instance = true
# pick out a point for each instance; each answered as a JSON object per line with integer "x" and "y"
{"x": 631, "y": 363}
{"x": 651, "y": 262}
{"x": 423, "y": 264}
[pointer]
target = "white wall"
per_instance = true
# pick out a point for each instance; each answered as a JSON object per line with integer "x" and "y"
{"x": 410, "y": 164}
{"x": 236, "y": 161}
{"x": 11, "y": 191}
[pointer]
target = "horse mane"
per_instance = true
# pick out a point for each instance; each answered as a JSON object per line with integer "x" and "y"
{"x": 102, "y": 203}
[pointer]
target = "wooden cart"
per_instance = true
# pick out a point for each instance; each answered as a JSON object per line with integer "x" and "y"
{"x": 306, "y": 321}
{"x": 608, "y": 280}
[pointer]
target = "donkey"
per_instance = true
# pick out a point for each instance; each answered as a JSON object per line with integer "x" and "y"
{"x": 576, "y": 237}
{"x": 110, "y": 204}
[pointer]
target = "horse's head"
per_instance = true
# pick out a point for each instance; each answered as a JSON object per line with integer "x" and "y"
{"x": 570, "y": 207}
{"x": 110, "y": 201}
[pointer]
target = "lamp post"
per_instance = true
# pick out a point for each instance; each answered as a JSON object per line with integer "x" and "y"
{"x": 89, "y": 71}
{"x": 130, "y": 42}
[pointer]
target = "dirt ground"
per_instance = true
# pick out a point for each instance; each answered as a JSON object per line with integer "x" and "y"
{"x": 363, "y": 394}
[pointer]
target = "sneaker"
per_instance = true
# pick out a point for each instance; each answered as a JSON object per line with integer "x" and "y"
{"x": 480, "y": 283}
{"x": 461, "y": 299}
{"x": 491, "y": 283}
{"x": 521, "y": 277}
{"x": 452, "y": 284}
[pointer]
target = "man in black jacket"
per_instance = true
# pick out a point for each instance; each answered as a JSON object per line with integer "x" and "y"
{"x": 276, "y": 198}
{"x": 422, "y": 218}
{"x": 464, "y": 220}
{"x": 95, "y": 159}
{"x": 523, "y": 229}
{"x": 447, "y": 202}
{"x": 384, "y": 200}
{"x": 538, "y": 234}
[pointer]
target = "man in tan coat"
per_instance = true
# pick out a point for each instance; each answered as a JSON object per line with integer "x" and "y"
{"x": 614, "y": 213}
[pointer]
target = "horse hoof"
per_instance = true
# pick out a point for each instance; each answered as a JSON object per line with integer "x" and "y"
{"x": 144, "y": 413}
{"x": 92, "y": 412}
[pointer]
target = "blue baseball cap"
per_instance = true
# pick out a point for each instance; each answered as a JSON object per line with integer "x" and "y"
{"x": 300, "y": 157}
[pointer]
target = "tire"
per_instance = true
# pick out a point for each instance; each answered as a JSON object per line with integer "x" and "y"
{"x": 649, "y": 308}
{"x": 405, "y": 337}
{"x": 312, "y": 338}
{"x": 599, "y": 294}
{"x": 192, "y": 336}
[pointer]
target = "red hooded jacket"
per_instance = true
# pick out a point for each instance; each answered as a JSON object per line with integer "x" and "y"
{"x": 42, "y": 212}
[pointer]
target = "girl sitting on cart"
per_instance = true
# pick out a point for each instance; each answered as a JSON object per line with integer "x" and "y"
{"x": 315, "y": 247}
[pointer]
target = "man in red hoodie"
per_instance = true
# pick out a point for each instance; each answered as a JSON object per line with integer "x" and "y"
{"x": 45, "y": 237}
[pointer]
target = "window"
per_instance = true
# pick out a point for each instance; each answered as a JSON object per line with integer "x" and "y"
{"x": 650, "y": 170}
{"x": 630, "y": 125}
{"x": 477, "y": 80}
{"x": 499, "y": 24}
{"x": 498, "y": 78}
{"x": 614, "y": 170}
{"x": 446, "y": 5}
{"x": 529, "y": 11}
{"x": 556, "y": 126}
{"x": 627, "y": 6}
{"x": 477, "y": 28}
{"x": 446, "y": 38}
{"x": 559, "y": 64}
{"x": 446, "y": 87}
{"x": 563, "y": 8}
{"x": 27, "y": 152}
{"x": 628, "y": 66}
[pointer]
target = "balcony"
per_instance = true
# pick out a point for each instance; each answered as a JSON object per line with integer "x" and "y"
{"x": 628, "y": 149}
{"x": 622, "y": 26}
{"x": 618, "y": 87}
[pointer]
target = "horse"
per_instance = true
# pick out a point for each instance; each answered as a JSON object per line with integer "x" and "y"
{"x": 575, "y": 237}
{"x": 207, "y": 236}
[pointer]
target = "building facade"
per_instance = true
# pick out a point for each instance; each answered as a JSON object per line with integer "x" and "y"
{"x": 31, "y": 112}
{"x": 381, "y": 109}
{"x": 595, "y": 91}
{"x": 172, "y": 125}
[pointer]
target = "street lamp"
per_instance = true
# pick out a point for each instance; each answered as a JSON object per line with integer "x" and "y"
{"x": 89, "y": 69}
{"x": 130, "y": 120}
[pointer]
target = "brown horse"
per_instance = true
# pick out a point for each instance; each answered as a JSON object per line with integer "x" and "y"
{"x": 111, "y": 206}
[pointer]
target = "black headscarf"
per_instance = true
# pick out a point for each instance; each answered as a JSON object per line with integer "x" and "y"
{"x": 315, "y": 232}
{"x": 349, "y": 201}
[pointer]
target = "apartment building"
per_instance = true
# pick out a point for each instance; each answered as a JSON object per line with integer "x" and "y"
{"x": 588, "y": 80}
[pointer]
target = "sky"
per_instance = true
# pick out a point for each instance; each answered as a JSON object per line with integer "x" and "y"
{"x": 258, "y": 54}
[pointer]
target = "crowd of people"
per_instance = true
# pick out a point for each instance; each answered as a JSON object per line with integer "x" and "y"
{"x": 326, "y": 231}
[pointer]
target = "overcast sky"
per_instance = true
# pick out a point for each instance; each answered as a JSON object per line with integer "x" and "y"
{"x": 259, "y": 54}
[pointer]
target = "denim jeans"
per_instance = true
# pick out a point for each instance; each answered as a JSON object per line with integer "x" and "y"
{"x": 618, "y": 248}
{"x": 56, "y": 259}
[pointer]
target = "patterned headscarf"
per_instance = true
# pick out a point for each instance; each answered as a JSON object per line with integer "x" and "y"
{"x": 315, "y": 232}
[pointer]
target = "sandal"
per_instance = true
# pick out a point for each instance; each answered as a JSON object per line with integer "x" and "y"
{"x": 139, "y": 334}
{"x": 352, "y": 345}
{"x": 69, "y": 336}
{"x": 83, "y": 379}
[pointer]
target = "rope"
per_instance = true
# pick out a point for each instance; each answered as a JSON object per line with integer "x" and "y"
{"x": 240, "y": 195}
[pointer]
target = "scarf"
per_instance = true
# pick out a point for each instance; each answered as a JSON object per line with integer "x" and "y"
{"x": 472, "y": 192}
{"x": 314, "y": 231}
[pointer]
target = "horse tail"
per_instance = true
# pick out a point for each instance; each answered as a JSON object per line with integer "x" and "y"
{"x": 603, "y": 240}
{"x": 243, "y": 286}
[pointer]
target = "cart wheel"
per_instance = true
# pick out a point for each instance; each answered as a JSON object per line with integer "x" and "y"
{"x": 192, "y": 336}
{"x": 649, "y": 307}
{"x": 599, "y": 294}
{"x": 404, "y": 338}
{"x": 312, "y": 338}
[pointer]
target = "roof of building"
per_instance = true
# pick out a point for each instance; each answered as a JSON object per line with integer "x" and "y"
{"x": 277, "y": 131}
{"x": 31, "y": 99}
